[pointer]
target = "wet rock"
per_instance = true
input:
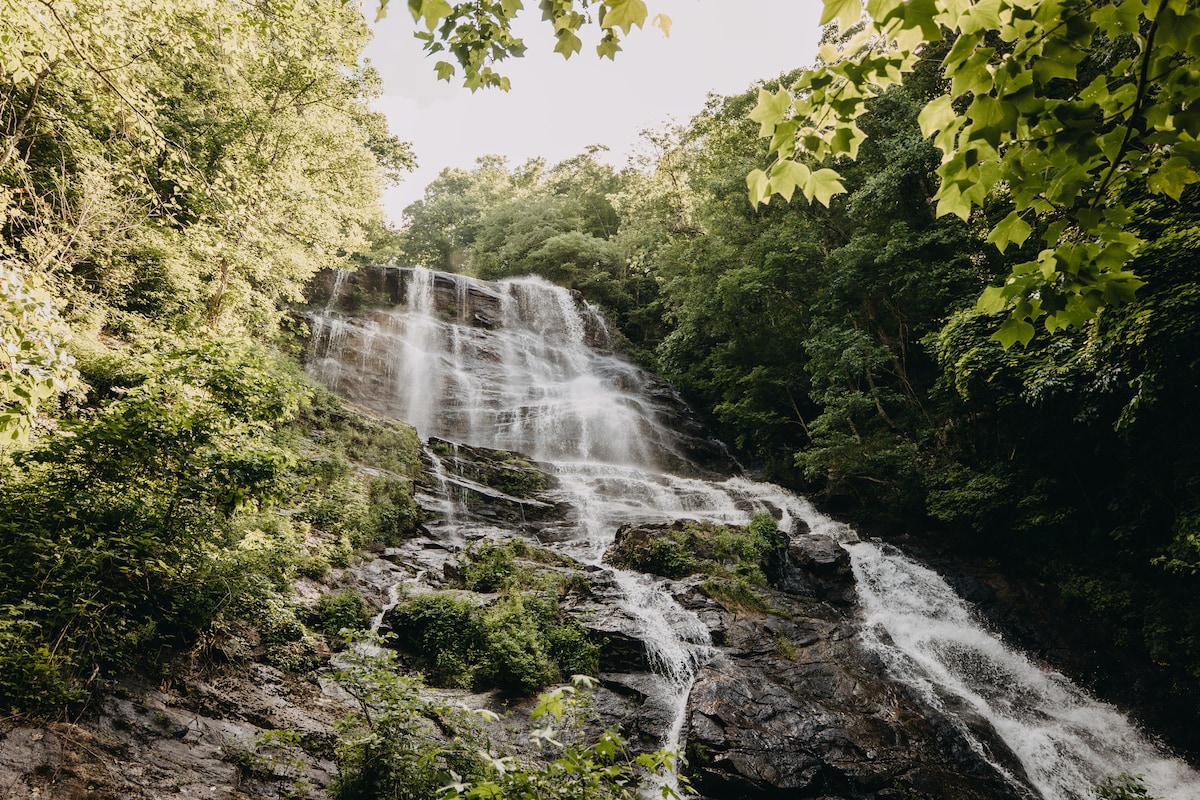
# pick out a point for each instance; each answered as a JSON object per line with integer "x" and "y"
{"x": 822, "y": 556}
{"x": 197, "y": 739}
{"x": 793, "y": 706}
{"x": 816, "y": 564}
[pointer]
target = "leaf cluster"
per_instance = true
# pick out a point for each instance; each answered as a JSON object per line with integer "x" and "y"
{"x": 1060, "y": 107}
{"x": 478, "y": 34}
{"x": 519, "y": 642}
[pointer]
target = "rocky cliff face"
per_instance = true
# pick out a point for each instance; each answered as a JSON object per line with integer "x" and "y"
{"x": 788, "y": 705}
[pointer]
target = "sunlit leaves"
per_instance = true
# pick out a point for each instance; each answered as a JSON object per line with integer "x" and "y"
{"x": 822, "y": 185}
{"x": 846, "y": 12}
{"x": 479, "y": 34}
{"x": 1017, "y": 120}
{"x": 1012, "y": 229}
{"x": 34, "y": 366}
{"x": 431, "y": 11}
{"x": 198, "y": 160}
{"x": 624, "y": 14}
{"x": 770, "y": 110}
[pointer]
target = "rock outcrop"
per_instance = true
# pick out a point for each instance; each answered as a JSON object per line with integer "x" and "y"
{"x": 791, "y": 704}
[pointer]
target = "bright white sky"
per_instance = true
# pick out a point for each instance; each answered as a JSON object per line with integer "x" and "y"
{"x": 557, "y": 108}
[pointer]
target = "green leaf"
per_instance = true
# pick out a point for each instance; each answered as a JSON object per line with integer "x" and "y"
{"x": 823, "y": 185}
{"x": 770, "y": 110}
{"x": 936, "y": 115}
{"x": 444, "y": 69}
{"x": 786, "y": 176}
{"x": 433, "y": 11}
{"x": 568, "y": 44}
{"x": 624, "y": 14}
{"x": 950, "y": 200}
{"x": 1172, "y": 178}
{"x": 608, "y": 48}
{"x": 758, "y": 185}
{"x": 846, "y": 12}
{"x": 1012, "y": 331}
{"x": 1010, "y": 229}
{"x": 983, "y": 15}
{"x": 991, "y": 300}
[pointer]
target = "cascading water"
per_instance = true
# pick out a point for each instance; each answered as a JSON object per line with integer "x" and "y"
{"x": 509, "y": 366}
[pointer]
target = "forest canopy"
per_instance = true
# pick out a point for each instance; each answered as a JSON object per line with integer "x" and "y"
{"x": 191, "y": 163}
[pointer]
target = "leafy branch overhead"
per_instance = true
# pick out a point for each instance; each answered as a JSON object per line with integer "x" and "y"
{"x": 1059, "y": 109}
{"x": 478, "y": 34}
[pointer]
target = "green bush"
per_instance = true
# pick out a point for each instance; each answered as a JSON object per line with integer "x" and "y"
{"x": 687, "y": 547}
{"x": 338, "y": 610}
{"x": 398, "y": 745}
{"x": 443, "y": 636}
{"x": 597, "y": 768}
{"x": 490, "y": 567}
{"x": 128, "y": 526}
{"x": 392, "y": 514}
{"x": 671, "y": 558}
{"x": 519, "y": 643}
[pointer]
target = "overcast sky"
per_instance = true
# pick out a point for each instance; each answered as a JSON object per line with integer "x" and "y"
{"x": 556, "y": 108}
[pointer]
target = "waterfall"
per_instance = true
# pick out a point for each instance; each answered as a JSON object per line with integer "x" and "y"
{"x": 520, "y": 365}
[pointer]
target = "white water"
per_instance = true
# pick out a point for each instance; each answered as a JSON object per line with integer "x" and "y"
{"x": 532, "y": 384}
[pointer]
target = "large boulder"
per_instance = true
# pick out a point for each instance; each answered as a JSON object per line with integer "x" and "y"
{"x": 794, "y": 706}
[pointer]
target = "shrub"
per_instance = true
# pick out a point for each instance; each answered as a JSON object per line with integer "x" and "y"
{"x": 489, "y": 567}
{"x": 126, "y": 523}
{"x": 341, "y": 610}
{"x": 1122, "y": 787}
{"x": 598, "y": 768}
{"x": 443, "y": 635}
{"x": 398, "y": 745}
{"x": 519, "y": 643}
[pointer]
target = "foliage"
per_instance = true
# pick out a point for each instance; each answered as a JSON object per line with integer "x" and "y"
{"x": 685, "y": 548}
{"x": 336, "y": 611}
{"x": 600, "y": 769}
{"x": 490, "y": 567}
{"x": 34, "y": 365}
{"x": 274, "y": 750}
{"x": 400, "y": 744}
{"x": 188, "y": 161}
{"x": 1122, "y": 787}
{"x": 518, "y": 643}
{"x": 478, "y": 34}
{"x": 1057, "y": 107}
{"x": 129, "y": 526}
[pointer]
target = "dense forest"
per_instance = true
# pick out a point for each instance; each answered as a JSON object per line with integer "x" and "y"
{"x": 173, "y": 175}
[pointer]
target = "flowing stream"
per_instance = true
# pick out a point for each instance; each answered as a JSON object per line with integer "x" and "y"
{"x": 521, "y": 365}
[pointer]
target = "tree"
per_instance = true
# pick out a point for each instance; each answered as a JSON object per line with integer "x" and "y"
{"x": 185, "y": 157}
{"x": 1059, "y": 107}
